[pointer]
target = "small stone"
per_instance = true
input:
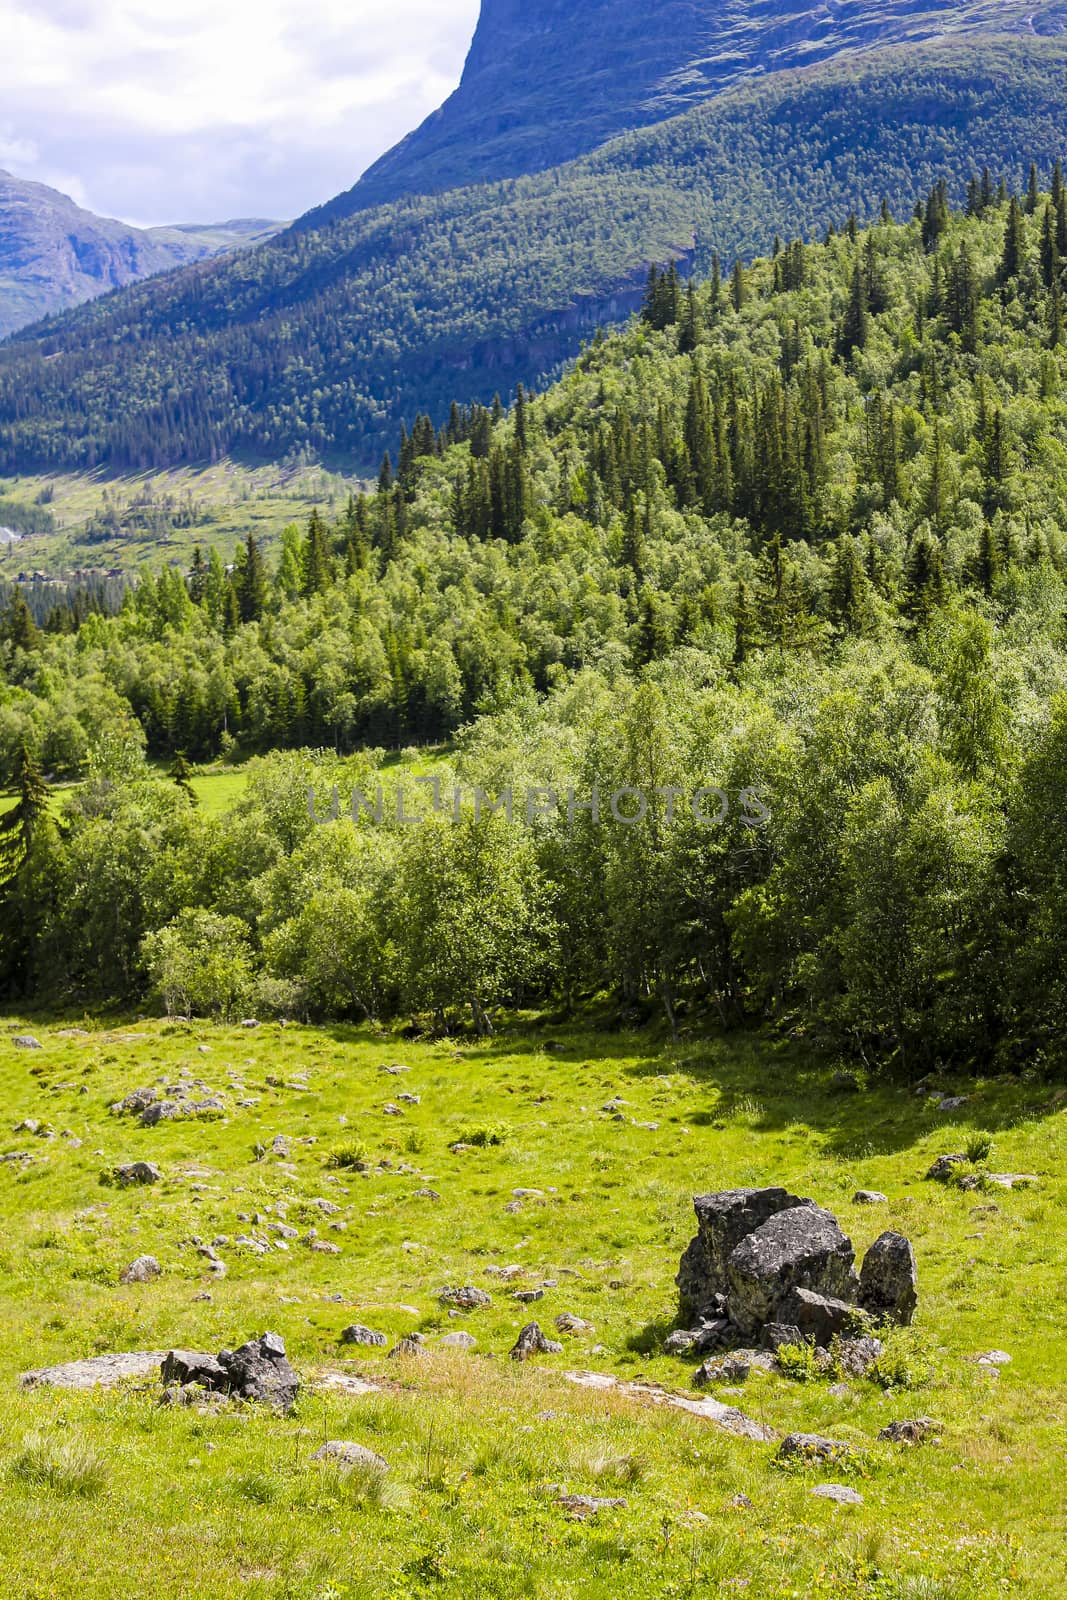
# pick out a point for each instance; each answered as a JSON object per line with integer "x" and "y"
{"x": 458, "y": 1341}
{"x": 812, "y": 1447}
{"x": 137, "y": 1172}
{"x": 528, "y": 1297}
{"x": 943, "y": 1168}
{"x": 143, "y": 1270}
{"x": 363, "y": 1336}
{"x": 729, "y": 1369}
{"x": 740, "y": 1502}
{"x": 413, "y": 1344}
{"x": 839, "y": 1493}
{"x": 858, "y": 1356}
{"x": 952, "y": 1102}
{"x": 869, "y": 1197}
{"x": 531, "y": 1342}
{"x": 26, "y": 1041}
{"x": 466, "y": 1299}
{"x": 995, "y": 1358}
{"x": 916, "y": 1430}
{"x": 345, "y": 1454}
{"x": 583, "y": 1507}
{"x": 569, "y": 1323}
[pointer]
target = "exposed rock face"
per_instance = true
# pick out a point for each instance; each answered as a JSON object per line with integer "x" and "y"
{"x": 260, "y": 1371}
{"x": 547, "y": 80}
{"x": 767, "y": 1265}
{"x": 723, "y": 1221}
{"x": 799, "y": 1249}
{"x": 889, "y": 1281}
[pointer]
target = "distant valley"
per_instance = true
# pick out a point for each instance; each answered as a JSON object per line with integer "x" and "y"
{"x": 55, "y": 255}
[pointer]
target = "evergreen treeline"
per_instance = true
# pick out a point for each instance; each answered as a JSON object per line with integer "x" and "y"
{"x": 323, "y": 340}
{"x": 798, "y": 532}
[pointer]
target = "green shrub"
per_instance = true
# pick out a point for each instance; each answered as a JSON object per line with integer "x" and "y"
{"x": 353, "y": 1156}
{"x": 979, "y": 1147}
{"x": 797, "y": 1361}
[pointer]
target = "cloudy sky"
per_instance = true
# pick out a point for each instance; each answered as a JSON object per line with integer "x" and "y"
{"x": 202, "y": 110}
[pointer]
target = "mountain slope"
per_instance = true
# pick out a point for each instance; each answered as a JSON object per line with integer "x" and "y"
{"x": 54, "y": 254}
{"x": 549, "y": 80}
{"x": 325, "y": 341}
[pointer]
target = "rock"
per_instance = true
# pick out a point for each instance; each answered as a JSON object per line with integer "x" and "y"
{"x": 820, "y": 1318}
{"x": 468, "y": 1299}
{"x": 458, "y": 1341}
{"x": 740, "y": 1502}
{"x": 1013, "y": 1180}
{"x": 323, "y": 1247}
{"x": 183, "y": 1367}
{"x": 413, "y": 1344}
{"x": 345, "y": 1454}
{"x": 889, "y": 1280}
{"x": 845, "y": 1083}
{"x": 994, "y": 1358}
{"x": 250, "y": 1022}
{"x": 363, "y": 1336}
{"x": 944, "y": 1166}
{"x": 136, "y": 1102}
{"x": 729, "y": 1369}
{"x": 917, "y": 1430}
{"x": 528, "y": 1297}
{"x": 143, "y": 1270}
{"x": 839, "y": 1493}
{"x": 137, "y": 1172}
{"x": 101, "y": 1372}
{"x": 723, "y": 1221}
{"x": 812, "y": 1447}
{"x": 582, "y": 1507}
{"x": 160, "y": 1111}
{"x": 952, "y": 1102}
{"x": 259, "y": 1371}
{"x": 281, "y": 1147}
{"x": 858, "y": 1356}
{"x": 801, "y": 1247}
{"x": 532, "y": 1342}
{"x": 26, "y": 1041}
{"x": 567, "y": 1322}
{"x": 869, "y": 1197}
{"x": 777, "y": 1334}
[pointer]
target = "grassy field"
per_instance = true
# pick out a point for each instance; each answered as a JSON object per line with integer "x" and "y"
{"x": 226, "y": 503}
{"x": 106, "y": 1494}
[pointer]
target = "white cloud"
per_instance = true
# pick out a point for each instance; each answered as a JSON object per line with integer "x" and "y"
{"x": 196, "y": 110}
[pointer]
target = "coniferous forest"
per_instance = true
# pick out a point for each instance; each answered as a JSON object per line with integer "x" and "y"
{"x": 795, "y": 534}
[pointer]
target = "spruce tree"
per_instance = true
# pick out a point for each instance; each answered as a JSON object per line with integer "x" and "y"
{"x": 737, "y": 287}
{"x": 251, "y": 584}
{"x": 1032, "y": 195}
{"x": 18, "y": 831}
{"x": 1011, "y": 259}
{"x": 18, "y": 627}
{"x": 181, "y": 774}
{"x": 854, "y": 329}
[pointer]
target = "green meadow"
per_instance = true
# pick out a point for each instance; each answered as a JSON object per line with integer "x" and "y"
{"x": 108, "y": 1494}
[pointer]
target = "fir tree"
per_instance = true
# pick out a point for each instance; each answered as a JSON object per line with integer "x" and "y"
{"x": 181, "y": 773}
{"x": 1011, "y": 259}
{"x": 855, "y": 327}
{"x": 251, "y": 584}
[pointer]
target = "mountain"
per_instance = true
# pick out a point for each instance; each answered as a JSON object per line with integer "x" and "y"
{"x": 329, "y": 336}
{"x": 54, "y": 254}
{"x": 549, "y": 80}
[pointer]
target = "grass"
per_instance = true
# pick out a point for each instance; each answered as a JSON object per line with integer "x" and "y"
{"x": 230, "y": 501}
{"x": 107, "y": 1494}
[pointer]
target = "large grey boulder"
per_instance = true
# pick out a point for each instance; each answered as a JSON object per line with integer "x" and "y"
{"x": 184, "y": 1367}
{"x": 799, "y": 1248}
{"x": 889, "y": 1280}
{"x": 821, "y": 1318}
{"x": 259, "y": 1371}
{"x": 723, "y": 1221}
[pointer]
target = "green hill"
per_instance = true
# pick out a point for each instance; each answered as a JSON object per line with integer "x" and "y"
{"x": 326, "y": 340}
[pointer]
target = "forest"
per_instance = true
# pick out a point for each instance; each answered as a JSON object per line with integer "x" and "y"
{"x": 326, "y": 338}
{"x": 796, "y": 532}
